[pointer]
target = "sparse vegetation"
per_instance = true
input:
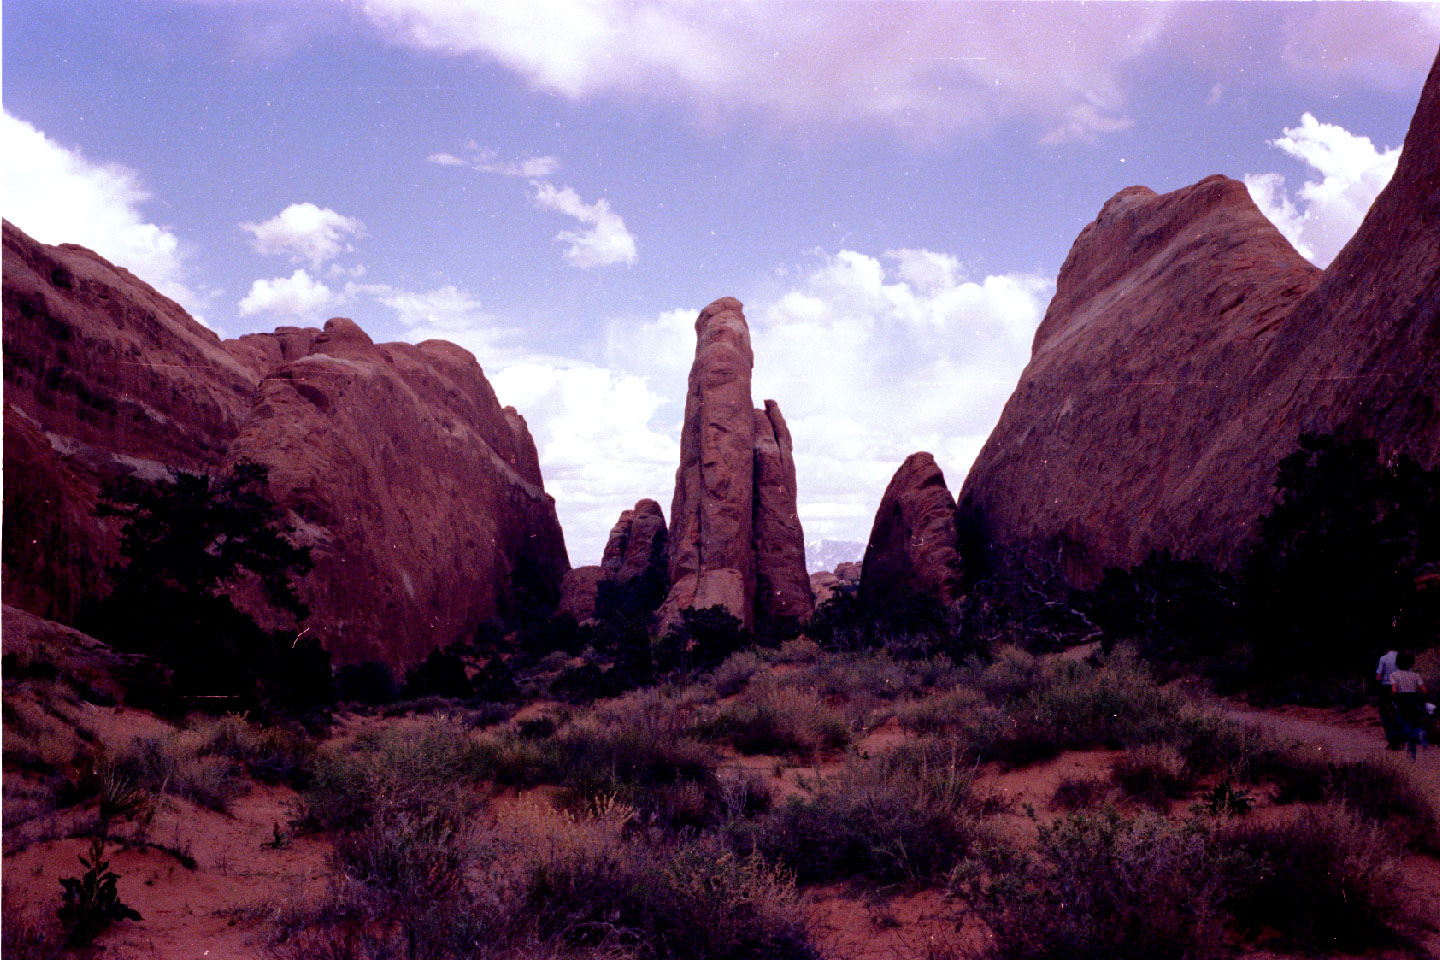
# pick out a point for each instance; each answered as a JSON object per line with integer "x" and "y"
{"x": 91, "y": 902}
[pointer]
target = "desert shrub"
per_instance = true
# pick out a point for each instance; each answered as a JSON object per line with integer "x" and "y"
{"x": 896, "y": 819}
{"x": 667, "y": 779}
{"x": 1098, "y": 887}
{"x": 495, "y": 682}
{"x": 176, "y": 765}
{"x": 30, "y": 935}
{"x": 775, "y": 720}
{"x": 1384, "y": 792}
{"x": 1071, "y": 705}
{"x": 440, "y": 674}
{"x": 799, "y": 650}
{"x": 398, "y": 767}
{"x": 587, "y": 682}
{"x": 1326, "y": 881}
{"x": 1152, "y": 773}
{"x": 272, "y": 754}
{"x": 1077, "y": 793}
{"x": 874, "y": 674}
{"x": 666, "y": 902}
{"x": 367, "y": 682}
{"x": 938, "y": 713}
{"x": 731, "y": 676}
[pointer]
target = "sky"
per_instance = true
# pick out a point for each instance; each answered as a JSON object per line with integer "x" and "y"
{"x": 561, "y": 185}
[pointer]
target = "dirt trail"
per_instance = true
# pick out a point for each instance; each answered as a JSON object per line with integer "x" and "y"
{"x": 1342, "y": 735}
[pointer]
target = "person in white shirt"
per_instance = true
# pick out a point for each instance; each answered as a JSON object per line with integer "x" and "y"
{"x": 1386, "y": 703}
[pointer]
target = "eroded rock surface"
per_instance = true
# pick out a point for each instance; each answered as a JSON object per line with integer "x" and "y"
{"x": 419, "y": 495}
{"x": 913, "y": 550}
{"x": 782, "y": 585}
{"x": 712, "y": 554}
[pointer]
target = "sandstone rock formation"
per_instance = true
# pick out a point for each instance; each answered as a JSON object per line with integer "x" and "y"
{"x": 712, "y": 554}
{"x": 782, "y": 586}
{"x": 418, "y": 494}
{"x": 1188, "y": 347}
{"x": 823, "y": 586}
{"x": 913, "y": 548}
{"x": 578, "y": 590}
{"x": 848, "y": 573}
{"x": 733, "y": 517}
{"x": 638, "y": 540}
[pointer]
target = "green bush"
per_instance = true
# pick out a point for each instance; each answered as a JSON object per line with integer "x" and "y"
{"x": 1153, "y": 774}
{"x": 90, "y": 902}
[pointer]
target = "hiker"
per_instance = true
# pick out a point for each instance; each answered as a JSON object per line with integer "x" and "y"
{"x": 1383, "y": 670}
{"x": 1408, "y": 691}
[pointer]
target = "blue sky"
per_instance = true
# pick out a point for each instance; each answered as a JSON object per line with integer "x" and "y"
{"x": 560, "y": 186}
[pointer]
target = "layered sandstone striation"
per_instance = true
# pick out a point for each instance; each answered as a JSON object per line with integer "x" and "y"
{"x": 418, "y": 494}
{"x": 735, "y": 537}
{"x": 913, "y": 548}
{"x": 1187, "y": 348}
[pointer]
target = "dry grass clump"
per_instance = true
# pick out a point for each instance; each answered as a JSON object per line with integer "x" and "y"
{"x": 734, "y": 674}
{"x": 799, "y": 650}
{"x": 1098, "y": 887}
{"x": 1152, "y": 773}
{"x": 940, "y": 712}
{"x": 776, "y": 719}
{"x": 905, "y": 817}
{"x": 580, "y": 884}
{"x": 1078, "y": 793}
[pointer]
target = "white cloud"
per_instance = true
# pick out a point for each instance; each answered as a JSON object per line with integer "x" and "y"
{"x": 487, "y": 160}
{"x": 298, "y": 298}
{"x": 926, "y": 69}
{"x": 856, "y": 340}
{"x": 58, "y": 196}
{"x": 605, "y": 241}
{"x": 599, "y": 450}
{"x": 1325, "y": 212}
{"x": 305, "y": 233}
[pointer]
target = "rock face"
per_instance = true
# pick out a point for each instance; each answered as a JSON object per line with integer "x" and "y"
{"x": 418, "y": 494}
{"x": 782, "y": 585}
{"x": 413, "y": 487}
{"x": 578, "y": 591}
{"x": 1188, "y": 347}
{"x": 638, "y": 539}
{"x": 712, "y": 554}
{"x": 734, "y": 527}
{"x": 913, "y": 544}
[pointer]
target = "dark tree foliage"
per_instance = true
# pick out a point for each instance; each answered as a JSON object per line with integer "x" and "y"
{"x": 183, "y": 543}
{"x": 701, "y": 640}
{"x": 441, "y": 674}
{"x": 495, "y": 682}
{"x": 532, "y": 596}
{"x": 367, "y": 682}
{"x": 1175, "y": 611}
{"x": 1333, "y": 578}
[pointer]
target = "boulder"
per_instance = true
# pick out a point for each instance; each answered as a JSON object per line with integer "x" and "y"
{"x": 782, "y": 585}
{"x": 848, "y": 573}
{"x": 647, "y": 544}
{"x": 712, "y": 554}
{"x": 1185, "y": 351}
{"x": 913, "y": 548}
{"x": 823, "y": 586}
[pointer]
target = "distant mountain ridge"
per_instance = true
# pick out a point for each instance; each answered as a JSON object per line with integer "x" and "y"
{"x": 822, "y": 556}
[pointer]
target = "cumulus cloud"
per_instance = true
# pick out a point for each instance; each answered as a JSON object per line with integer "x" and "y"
{"x": 1325, "y": 212}
{"x": 487, "y": 160}
{"x": 58, "y": 196}
{"x": 298, "y": 298}
{"x": 305, "y": 233}
{"x": 600, "y": 449}
{"x": 856, "y": 339}
{"x": 605, "y": 239}
{"x": 927, "y": 69}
